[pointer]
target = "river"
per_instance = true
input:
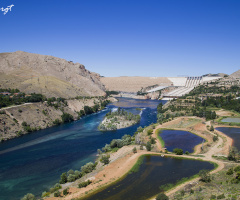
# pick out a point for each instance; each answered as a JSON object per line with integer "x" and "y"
{"x": 33, "y": 163}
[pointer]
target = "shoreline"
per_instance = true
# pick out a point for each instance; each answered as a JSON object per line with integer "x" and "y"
{"x": 116, "y": 170}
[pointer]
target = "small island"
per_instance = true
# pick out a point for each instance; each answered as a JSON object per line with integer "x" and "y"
{"x": 117, "y": 120}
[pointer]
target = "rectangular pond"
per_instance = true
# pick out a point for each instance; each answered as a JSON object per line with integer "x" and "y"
{"x": 154, "y": 172}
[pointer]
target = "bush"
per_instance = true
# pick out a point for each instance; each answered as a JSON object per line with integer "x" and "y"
{"x": 57, "y": 194}
{"x": 150, "y": 132}
{"x": 204, "y": 175}
{"x": 162, "y": 196}
{"x": 105, "y": 159}
{"x": 230, "y": 172}
{"x": 186, "y": 152}
{"x": 149, "y": 146}
{"x": 134, "y": 150}
{"x": 28, "y": 196}
{"x": 46, "y": 194}
{"x": 89, "y": 167}
{"x": 66, "y": 117}
{"x": 84, "y": 184}
{"x": 63, "y": 178}
{"x": 215, "y": 138}
{"x": 211, "y": 128}
{"x": 178, "y": 151}
{"x": 65, "y": 191}
{"x": 57, "y": 121}
{"x": 237, "y": 169}
{"x": 222, "y": 196}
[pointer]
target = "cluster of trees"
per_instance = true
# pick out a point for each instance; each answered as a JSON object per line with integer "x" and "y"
{"x": 116, "y": 144}
{"x": 21, "y": 98}
{"x": 233, "y": 154}
{"x": 71, "y": 175}
{"x": 112, "y": 92}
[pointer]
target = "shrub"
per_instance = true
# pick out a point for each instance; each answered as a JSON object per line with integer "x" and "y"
{"x": 57, "y": 194}
{"x": 141, "y": 147}
{"x": 71, "y": 178}
{"x": 84, "y": 184}
{"x": 24, "y": 123}
{"x": 28, "y": 196}
{"x": 215, "y": 138}
{"x": 87, "y": 168}
{"x": 186, "y": 152}
{"x": 134, "y": 150}
{"x": 57, "y": 121}
{"x": 46, "y": 194}
{"x": 162, "y": 196}
{"x": 19, "y": 110}
{"x": 211, "y": 128}
{"x": 178, "y": 151}
{"x": 65, "y": 191}
{"x": 66, "y": 117}
{"x": 150, "y": 132}
{"x": 237, "y": 169}
{"x": 105, "y": 159}
{"x": 222, "y": 196}
{"x": 230, "y": 172}
{"x": 204, "y": 175}
{"x": 149, "y": 146}
{"x": 63, "y": 178}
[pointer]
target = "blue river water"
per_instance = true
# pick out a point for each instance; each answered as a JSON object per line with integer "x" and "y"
{"x": 33, "y": 163}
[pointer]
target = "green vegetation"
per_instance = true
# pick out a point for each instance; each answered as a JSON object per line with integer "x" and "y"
{"x": 84, "y": 184}
{"x": 10, "y": 97}
{"x": 109, "y": 93}
{"x": 105, "y": 159}
{"x": 29, "y": 196}
{"x": 137, "y": 165}
{"x": 66, "y": 117}
{"x": 205, "y": 175}
{"x": 178, "y": 151}
{"x": 162, "y": 196}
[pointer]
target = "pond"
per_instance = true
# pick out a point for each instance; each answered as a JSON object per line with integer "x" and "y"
{"x": 154, "y": 172}
{"x": 233, "y": 133}
{"x": 231, "y": 120}
{"x": 180, "y": 139}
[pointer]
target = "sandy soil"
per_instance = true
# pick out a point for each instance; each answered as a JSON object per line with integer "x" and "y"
{"x": 124, "y": 159}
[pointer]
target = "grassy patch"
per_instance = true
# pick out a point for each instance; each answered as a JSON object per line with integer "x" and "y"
{"x": 158, "y": 132}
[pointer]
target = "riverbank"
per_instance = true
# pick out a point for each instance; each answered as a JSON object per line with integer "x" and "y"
{"x": 122, "y": 164}
{"x": 29, "y": 117}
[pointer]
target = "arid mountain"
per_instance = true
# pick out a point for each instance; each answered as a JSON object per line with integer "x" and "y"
{"x": 47, "y": 75}
{"x": 236, "y": 74}
{"x": 132, "y": 84}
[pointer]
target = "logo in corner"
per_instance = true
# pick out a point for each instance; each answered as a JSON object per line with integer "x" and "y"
{"x": 5, "y": 10}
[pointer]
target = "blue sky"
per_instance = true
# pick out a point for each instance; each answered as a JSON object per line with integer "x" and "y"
{"x": 128, "y": 37}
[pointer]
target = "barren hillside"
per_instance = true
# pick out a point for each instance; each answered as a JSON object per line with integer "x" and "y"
{"x": 47, "y": 75}
{"x": 132, "y": 84}
{"x": 236, "y": 74}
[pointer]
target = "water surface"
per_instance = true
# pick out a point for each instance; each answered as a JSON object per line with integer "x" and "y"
{"x": 154, "y": 172}
{"x": 230, "y": 119}
{"x": 34, "y": 162}
{"x": 233, "y": 133}
{"x": 180, "y": 139}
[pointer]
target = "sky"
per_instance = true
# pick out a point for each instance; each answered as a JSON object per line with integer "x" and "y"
{"x": 154, "y": 38}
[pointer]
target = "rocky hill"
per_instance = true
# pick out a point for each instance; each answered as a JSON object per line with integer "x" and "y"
{"x": 235, "y": 74}
{"x": 48, "y": 75}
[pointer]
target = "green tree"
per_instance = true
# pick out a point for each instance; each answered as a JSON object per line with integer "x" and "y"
{"x": 149, "y": 146}
{"x": 65, "y": 191}
{"x": 178, "y": 151}
{"x": 105, "y": 159}
{"x": 29, "y": 196}
{"x": 134, "y": 150}
{"x": 66, "y": 117}
{"x": 162, "y": 196}
{"x": 63, "y": 178}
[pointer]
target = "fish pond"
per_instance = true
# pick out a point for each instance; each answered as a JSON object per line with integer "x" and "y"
{"x": 233, "y": 133}
{"x": 231, "y": 120}
{"x": 154, "y": 172}
{"x": 180, "y": 139}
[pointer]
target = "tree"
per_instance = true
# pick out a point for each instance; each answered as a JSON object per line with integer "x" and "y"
{"x": 134, "y": 150}
{"x": 66, "y": 117}
{"x": 29, "y": 196}
{"x": 149, "y": 146}
{"x": 65, "y": 191}
{"x": 211, "y": 128}
{"x": 178, "y": 151}
{"x": 162, "y": 196}
{"x": 233, "y": 153}
{"x": 63, "y": 178}
{"x": 204, "y": 176}
{"x": 105, "y": 159}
